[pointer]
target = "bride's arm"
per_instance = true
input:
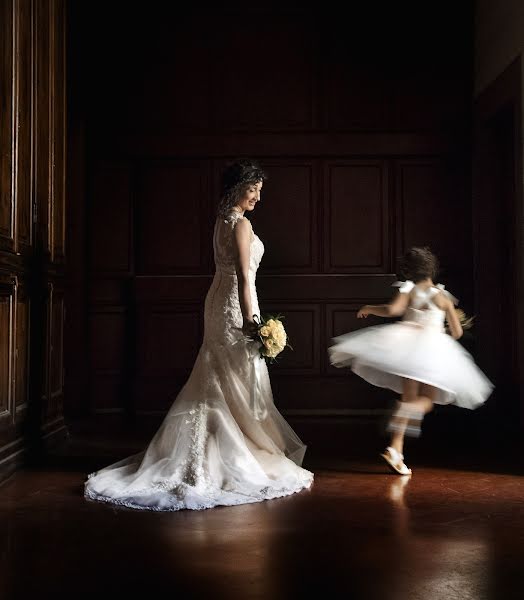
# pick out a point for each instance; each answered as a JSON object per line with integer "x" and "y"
{"x": 243, "y": 244}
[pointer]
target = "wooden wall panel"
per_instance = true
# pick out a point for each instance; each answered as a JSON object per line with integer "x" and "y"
{"x": 292, "y": 188}
{"x": 433, "y": 211}
{"x": 107, "y": 393}
{"x": 56, "y": 354}
{"x": 279, "y": 57}
{"x": 21, "y": 355}
{"x": 357, "y": 217}
{"x": 24, "y": 81}
{"x": 172, "y": 208}
{"x": 8, "y": 295}
{"x": 171, "y": 104}
{"x": 32, "y": 225}
{"x": 498, "y": 214}
{"x": 332, "y": 107}
{"x": 110, "y": 207}
{"x": 107, "y": 345}
{"x": 6, "y": 340}
{"x": 163, "y": 362}
{"x": 7, "y": 80}
{"x": 58, "y": 111}
{"x": 302, "y": 324}
{"x": 357, "y": 86}
{"x": 107, "y": 335}
{"x": 168, "y": 340}
{"x": 43, "y": 124}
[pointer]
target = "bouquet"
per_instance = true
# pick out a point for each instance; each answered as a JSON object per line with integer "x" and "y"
{"x": 272, "y": 336}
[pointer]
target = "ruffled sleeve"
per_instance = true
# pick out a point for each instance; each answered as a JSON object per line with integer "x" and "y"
{"x": 443, "y": 289}
{"x": 404, "y": 287}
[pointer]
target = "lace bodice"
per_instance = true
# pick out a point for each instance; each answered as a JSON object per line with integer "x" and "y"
{"x": 223, "y": 316}
{"x": 223, "y": 245}
{"x": 422, "y": 310}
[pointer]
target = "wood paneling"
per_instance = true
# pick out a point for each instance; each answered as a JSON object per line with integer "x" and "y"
{"x": 178, "y": 103}
{"x": 357, "y": 85}
{"x": 107, "y": 358}
{"x": 302, "y": 324}
{"x": 168, "y": 340}
{"x": 56, "y": 353}
{"x": 293, "y": 188}
{"x": 21, "y": 355}
{"x": 280, "y": 58}
{"x": 107, "y": 339}
{"x": 43, "y": 124}
{"x": 58, "y": 112}
{"x": 357, "y": 217}
{"x": 499, "y": 242}
{"x": 7, "y": 84}
{"x": 170, "y": 201}
{"x": 32, "y": 225}
{"x": 359, "y": 122}
{"x": 308, "y": 144}
{"x": 433, "y": 210}
{"x": 23, "y": 122}
{"x": 110, "y": 208}
{"x": 107, "y": 393}
{"x": 6, "y": 340}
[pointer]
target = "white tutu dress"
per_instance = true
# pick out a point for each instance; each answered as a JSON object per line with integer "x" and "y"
{"x": 415, "y": 348}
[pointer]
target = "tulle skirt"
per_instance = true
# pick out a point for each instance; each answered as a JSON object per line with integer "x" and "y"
{"x": 385, "y": 355}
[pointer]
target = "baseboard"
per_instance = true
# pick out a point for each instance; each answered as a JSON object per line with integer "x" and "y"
{"x": 12, "y": 457}
{"x": 54, "y": 432}
{"x": 16, "y": 454}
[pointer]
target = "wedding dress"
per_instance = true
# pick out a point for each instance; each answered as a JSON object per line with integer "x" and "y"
{"x": 223, "y": 442}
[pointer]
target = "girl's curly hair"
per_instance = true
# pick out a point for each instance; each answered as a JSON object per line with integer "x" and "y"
{"x": 236, "y": 178}
{"x": 417, "y": 264}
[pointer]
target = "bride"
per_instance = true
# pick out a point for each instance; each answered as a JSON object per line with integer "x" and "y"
{"x": 223, "y": 442}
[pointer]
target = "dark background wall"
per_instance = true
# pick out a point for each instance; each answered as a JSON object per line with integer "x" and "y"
{"x": 361, "y": 117}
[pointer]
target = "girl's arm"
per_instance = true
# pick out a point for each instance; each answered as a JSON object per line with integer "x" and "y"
{"x": 395, "y": 308}
{"x": 242, "y": 238}
{"x": 446, "y": 305}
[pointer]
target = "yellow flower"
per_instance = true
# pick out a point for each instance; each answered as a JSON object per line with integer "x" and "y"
{"x": 273, "y": 353}
{"x": 280, "y": 336}
{"x": 264, "y": 331}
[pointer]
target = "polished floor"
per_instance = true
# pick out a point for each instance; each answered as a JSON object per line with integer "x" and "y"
{"x": 454, "y": 530}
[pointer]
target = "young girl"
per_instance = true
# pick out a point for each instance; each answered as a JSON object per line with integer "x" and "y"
{"x": 414, "y": 357}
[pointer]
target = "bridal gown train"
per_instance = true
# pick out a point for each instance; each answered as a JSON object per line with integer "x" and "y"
{"x": 223, "y": 442}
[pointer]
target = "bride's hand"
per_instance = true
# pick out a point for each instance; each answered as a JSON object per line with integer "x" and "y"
{"x": 249, "y": 328}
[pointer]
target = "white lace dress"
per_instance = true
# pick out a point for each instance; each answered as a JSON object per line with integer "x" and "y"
{"x": 223, "y": 442}
{"x": 415, "y": 348}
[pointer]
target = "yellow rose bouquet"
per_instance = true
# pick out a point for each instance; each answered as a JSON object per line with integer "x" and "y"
{"x": 271, "y": 335}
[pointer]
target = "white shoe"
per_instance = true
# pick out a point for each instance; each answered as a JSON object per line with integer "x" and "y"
{"x": 395, "y": 461}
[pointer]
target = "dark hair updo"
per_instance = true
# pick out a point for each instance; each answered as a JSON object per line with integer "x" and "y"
{"x": 236, "y": 179}
{"x": 417, "y": 264}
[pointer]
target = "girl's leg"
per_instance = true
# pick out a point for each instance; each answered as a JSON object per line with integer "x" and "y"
{"x": 407, "y": 407}
{"x": 417, "y": 400}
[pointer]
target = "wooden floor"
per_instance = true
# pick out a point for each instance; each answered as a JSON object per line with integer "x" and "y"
{"x": 455, "y": 529}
